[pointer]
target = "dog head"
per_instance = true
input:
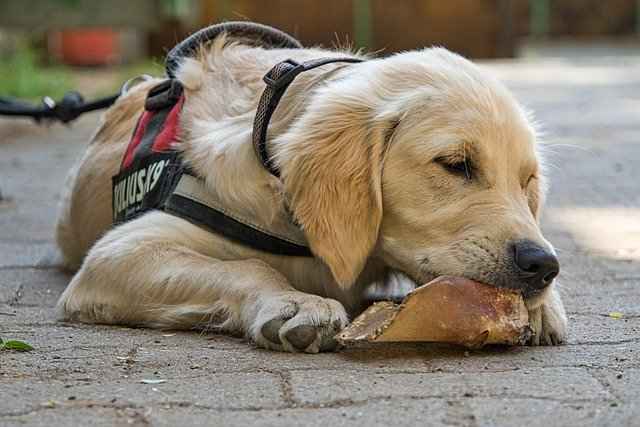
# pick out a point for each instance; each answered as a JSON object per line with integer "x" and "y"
{"x": 425, "y": 161}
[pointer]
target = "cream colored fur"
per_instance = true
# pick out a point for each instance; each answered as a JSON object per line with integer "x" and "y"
{"x": 356, "y": 145}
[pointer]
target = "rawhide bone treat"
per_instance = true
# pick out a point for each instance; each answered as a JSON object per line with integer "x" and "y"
{"x": 447, "y": 310}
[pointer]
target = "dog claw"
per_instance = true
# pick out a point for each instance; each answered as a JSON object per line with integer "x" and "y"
{"x": 270, "y": 330}
{"x": 330, "y": 344}
{"x": 302, "y": 336}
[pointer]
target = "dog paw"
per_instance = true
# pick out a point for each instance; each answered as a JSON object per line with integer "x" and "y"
{"x": 298, "y": 322}
{"x": 548, "y": 321}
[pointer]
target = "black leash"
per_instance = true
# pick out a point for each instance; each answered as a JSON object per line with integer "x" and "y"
{"x": 73, "y": 105}
{"x": 69, "y": 108}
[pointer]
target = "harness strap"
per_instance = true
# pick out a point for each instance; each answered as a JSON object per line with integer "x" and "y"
{"x": 192, "y": 201}
{"x": 278, "y": 80}
{"x": 163, "y": 95}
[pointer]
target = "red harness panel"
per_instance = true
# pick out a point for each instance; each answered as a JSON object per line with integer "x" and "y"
{"x": 150, "y": 167}
{"x": 163, "y": 136}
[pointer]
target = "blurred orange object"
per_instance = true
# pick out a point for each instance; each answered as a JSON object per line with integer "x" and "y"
{"x": 89, "y": 46}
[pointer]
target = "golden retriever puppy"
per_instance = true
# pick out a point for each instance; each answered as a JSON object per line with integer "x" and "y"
{"x": 419, "y": 162}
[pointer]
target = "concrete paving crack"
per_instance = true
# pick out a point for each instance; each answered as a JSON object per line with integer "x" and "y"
{"x": 603, "y": 382}
{"x": 458, "y": 413}
{"x": 595, "y": 343}
{"x": 4, "y": 313}
{"x": 287, "y": 389}
{"x": 17, "y": 296}
{"x": 607, "y": 315}
{"x": 54, "y": 404}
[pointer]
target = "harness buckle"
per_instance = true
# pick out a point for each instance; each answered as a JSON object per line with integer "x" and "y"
{"x": 164, "y": 95}
{"x": 283, "y": 73}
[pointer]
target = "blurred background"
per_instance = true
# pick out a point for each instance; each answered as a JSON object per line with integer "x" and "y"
{"x": 50, "y": 46}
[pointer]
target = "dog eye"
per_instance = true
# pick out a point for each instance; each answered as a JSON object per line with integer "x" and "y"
{"x": 462, "y": 168}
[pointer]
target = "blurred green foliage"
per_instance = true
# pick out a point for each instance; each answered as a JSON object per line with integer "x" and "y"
{"x": 24, "y": 77}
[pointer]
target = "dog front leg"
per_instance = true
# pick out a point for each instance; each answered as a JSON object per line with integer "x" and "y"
{"x": 549, "y": 320}
{"x": 157, "y": 284}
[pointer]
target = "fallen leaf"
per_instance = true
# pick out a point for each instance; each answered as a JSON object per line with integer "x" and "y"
{"x": 15, "y": 345}
{"x": 616, "y": 315}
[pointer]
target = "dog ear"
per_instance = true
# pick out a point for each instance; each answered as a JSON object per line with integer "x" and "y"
{"x": 332, "y": 170}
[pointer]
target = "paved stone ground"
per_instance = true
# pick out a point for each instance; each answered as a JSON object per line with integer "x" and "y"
{"x": 91, "y": 375}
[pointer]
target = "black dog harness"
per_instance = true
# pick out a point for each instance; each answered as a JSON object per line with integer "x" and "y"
{"x": 153, "y": 176}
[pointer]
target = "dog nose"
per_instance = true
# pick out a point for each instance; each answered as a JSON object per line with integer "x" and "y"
{"x": 538, "y": 266}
